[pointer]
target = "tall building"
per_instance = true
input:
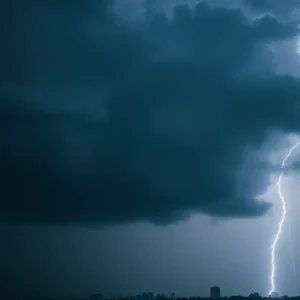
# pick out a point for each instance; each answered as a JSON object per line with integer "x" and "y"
{"x": 274, "y": 294}
{"x": 172, "y": 296}
{"x": 215, "y": 292}
{"x": 150, "y": 296}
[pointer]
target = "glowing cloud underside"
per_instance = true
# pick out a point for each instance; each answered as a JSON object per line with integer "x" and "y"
{"x": 281, "y": 222}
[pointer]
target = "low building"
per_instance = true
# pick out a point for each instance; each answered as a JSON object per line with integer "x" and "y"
{"x": 96, "y": 297}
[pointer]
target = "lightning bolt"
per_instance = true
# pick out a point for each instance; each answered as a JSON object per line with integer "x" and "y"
{"x": 281, "y": 222}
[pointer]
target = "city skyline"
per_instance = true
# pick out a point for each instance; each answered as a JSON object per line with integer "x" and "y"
{"x": 214, "y": 293}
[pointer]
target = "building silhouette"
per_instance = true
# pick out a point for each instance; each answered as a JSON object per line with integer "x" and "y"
{"x": 147, "y": 296}
{"x": 150, "y": 296}
{"x": 215, "y": 292}
{"x": 274, "y": 294}
{"x": 96, "y": 297}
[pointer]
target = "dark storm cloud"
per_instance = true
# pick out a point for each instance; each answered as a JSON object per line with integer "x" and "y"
{"x": 106, "y": 120}
{"x": 277, "y": 7}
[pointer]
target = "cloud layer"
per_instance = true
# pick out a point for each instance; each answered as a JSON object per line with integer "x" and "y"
{"x": 105, "y": 120}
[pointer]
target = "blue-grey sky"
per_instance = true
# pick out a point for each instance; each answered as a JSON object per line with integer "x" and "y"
{"x": 141, "y": 142}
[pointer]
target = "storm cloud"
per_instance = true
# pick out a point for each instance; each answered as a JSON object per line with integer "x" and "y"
{"x": 110, "y": 120}
{"x": 282, "y": 9}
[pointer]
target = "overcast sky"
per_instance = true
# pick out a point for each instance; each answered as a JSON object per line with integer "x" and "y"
{"x": 141, "y": 142}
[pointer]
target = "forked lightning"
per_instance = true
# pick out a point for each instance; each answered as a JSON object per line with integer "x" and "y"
{"x": 281, "y": 222}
